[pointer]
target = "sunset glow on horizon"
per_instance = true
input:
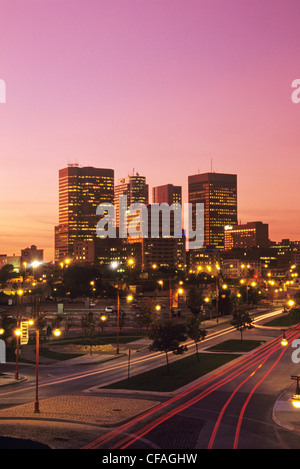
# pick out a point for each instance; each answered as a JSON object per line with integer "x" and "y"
{"x": 167, "y": 88}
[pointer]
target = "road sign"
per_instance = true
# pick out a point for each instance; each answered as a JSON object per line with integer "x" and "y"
{"x": 24, "y": 333}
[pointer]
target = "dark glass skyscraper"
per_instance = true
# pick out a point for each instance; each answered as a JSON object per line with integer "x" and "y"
{"x": 167, "y": 194}
{"x": 218, "y": 193}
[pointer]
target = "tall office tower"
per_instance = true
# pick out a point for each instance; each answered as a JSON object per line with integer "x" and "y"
{"x": 136, "y": 190}
{"x": 218, "y": 193}
{"x": 81, "y": 189}
{"x": 166, "y": 194}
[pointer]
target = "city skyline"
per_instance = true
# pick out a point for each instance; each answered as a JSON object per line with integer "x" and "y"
{"x": 167, "y": 88}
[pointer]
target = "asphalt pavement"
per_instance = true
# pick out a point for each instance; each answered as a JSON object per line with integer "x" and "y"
{"x": 103, "y": 410}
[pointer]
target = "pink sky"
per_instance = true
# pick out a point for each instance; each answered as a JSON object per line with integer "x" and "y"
{"x": 162, "y": 86}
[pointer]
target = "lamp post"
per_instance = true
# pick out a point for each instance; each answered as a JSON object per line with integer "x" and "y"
{"x": 92, "y": 283}
{"x": 217, "y": 297}
{"x": 118, "y": 316}
{"x": 170, "y": 291}
{"x": 284, "y": 341}
{"x": 18, "y": 333}
{"x": 130, "y": 262}
{"x": 37, "y": 352}
{"x": 296, "y": 396}
{"x": 103, "y": 319}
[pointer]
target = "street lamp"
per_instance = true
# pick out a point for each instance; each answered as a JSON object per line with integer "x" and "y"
{"x": 284, "y": 341}
{"x": 18, "y": 332}
{"x": 118, "y": 317}
{"x": 103, "y": 319}
{"x": 296, "y": 396}
{"x": 37, "y": 356}
{"x": 92, "y": 283}
{"x": 291, "y": 303}
{"x": 130, "y": 262}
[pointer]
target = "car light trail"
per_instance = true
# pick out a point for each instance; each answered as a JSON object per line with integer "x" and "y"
{"x": 211, "y": 442}
{"x": 125, "y": 442}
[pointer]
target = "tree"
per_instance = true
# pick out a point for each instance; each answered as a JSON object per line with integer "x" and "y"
{"x": 242, "y": 321}
{"x": 122, "y": 318}
{"x": 166, "y": 337}
{"x": 195, "y": 332}
{"x": 195, "y": 300}
{"x": 297, "y": 298}
{"x": 88, "y": 323}
{"x": 69, "y": 323}
{"x": 147, "y": 313}
{"x": 77, "y": 278}
{"x": 57, "y": 320}
{"x": 7, "y": 272}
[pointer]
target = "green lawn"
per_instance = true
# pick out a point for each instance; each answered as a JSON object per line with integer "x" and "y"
{"x": 182, "y": 372}
{"x": 288, "y": 320}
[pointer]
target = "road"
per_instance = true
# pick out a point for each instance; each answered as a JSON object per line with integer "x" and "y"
{"x": 231, "y": 408}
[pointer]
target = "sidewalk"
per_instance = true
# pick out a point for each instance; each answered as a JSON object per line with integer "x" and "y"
{"x": 284, "y": 413}
{"x": 99, "y": 410}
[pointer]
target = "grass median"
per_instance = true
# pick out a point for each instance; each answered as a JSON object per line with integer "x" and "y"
{"x": 288, "y": 320}
{"x": 182, "y": 372}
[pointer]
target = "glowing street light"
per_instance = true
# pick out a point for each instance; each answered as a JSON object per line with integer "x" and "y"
{"x": 296, "y": 397}
{"x": 291, "y": 303}
{"x": 18, "y": 332}
{"x": 284, "y": 341}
